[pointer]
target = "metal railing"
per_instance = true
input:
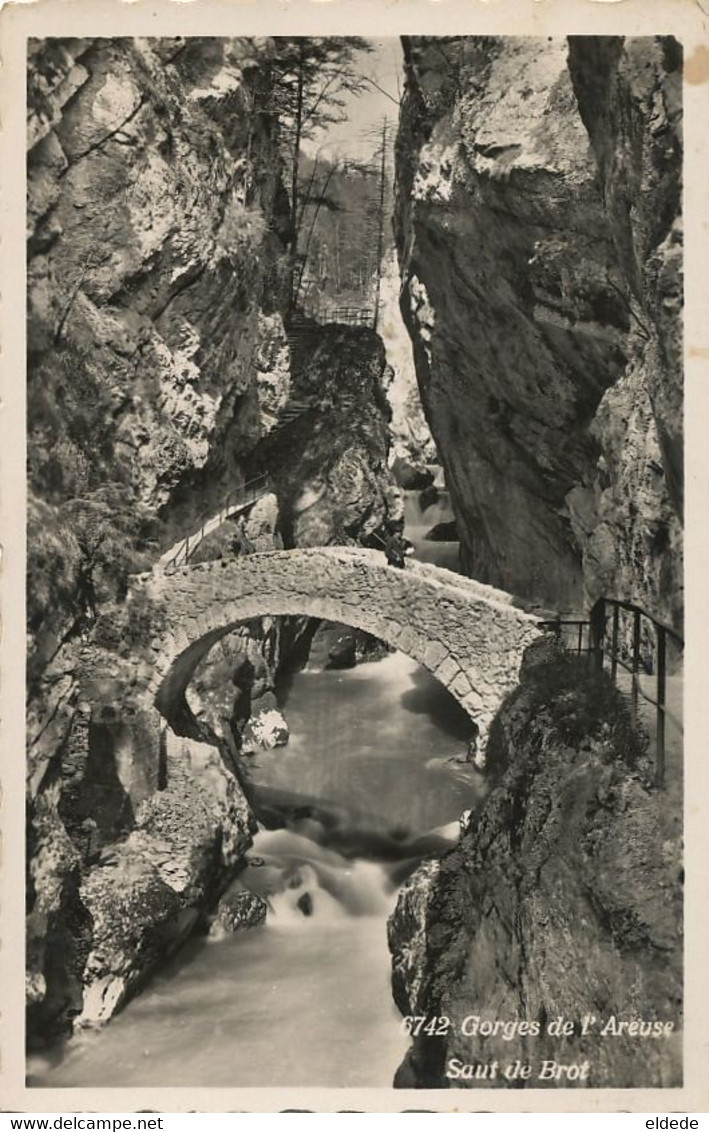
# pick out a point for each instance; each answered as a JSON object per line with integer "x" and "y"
{"x": 349, "y": 315}
{"x": 635, "y": 642}
{"x": 236, "y": 500}
{"x": 574, "y": 635}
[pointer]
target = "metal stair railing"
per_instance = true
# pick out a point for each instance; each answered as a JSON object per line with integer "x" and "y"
{"x": 593, "y": 638}
{"x": 348, "y": 315}
{"x": 244, "y": 496}
{"x": 238, "y": 498}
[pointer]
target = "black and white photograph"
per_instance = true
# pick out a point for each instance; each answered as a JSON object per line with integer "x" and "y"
{"x": 354, "y": 562}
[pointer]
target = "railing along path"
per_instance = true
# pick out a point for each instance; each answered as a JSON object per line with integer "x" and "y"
{"x": 639, "y": 647}
{"x": 237, "y": 500}
{"x": 349, "y": 315}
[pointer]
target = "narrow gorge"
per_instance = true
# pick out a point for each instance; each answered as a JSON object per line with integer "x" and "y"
{"x": 339, "y": 427}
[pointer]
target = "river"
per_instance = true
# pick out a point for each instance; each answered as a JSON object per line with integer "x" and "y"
{"x": 305, "y": 999}
{"x": 419, "y": 521}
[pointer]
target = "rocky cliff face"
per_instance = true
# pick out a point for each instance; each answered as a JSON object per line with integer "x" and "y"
{"x": 160, "y": 377}
{"x": 539, "y": 240}
{"x": 562, "y": 900}
{"x": 628, "y": 522}
{"x": 154, "y": 335}
{"x": 411, "y": 436}
{"x": 330, "y": 465}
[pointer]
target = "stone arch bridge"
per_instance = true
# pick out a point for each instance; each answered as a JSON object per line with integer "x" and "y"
{"x": 469, "y": 635}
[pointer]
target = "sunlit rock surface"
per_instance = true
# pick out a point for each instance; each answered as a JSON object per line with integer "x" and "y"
{"x": 539, "y": 239}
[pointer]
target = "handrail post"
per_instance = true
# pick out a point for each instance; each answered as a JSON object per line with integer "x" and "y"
{"x": 636, "y": 663}
{"x": 614, "y": 644}
{"x": 661, "y": 701}
{"x": 597, "y": 628}
{"x": 597, "y": 631}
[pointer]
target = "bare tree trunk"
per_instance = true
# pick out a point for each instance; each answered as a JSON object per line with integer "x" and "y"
{"x": 338, "y": 272}
{"x": 380, "y": 226}
{"x": 321, "y": 194}
{"x": 295, "y": 173}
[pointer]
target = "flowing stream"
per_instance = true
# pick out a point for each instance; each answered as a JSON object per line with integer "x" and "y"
{"x": 373, "y": 778}
{"x": 421, "y": 518}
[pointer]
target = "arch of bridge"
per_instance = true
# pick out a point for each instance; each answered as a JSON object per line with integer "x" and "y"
{"x": 470, "y": 636}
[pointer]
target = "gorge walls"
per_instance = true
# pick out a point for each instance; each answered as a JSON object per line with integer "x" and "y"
{"x": 162, "y": 374}
{"x": 539, "y": 239}
{"x": 563, "y": 899}
{"x": 155, "y": 340}
{"x": 538, "y": 224}
{"x": 537, "y": 220}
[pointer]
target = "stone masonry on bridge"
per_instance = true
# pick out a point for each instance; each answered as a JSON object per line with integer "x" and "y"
{"x": 470, "y": 636}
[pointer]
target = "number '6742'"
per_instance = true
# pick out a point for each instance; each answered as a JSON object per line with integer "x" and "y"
{"x": 416, "y": 1024}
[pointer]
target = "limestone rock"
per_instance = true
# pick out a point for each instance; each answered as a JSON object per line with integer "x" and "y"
{"x": 428, "y": 497}
{"x": 408, "y": 931}
{"x": 539, "y": 238}
{"x": 409, "y": 477}
{"x": 240, "y": 910}
{"x": 564, "y": 890}
{"x": 269, "y": 729}
{"x": 542, "y": 651}
{"x": 330, "y": 461}
{"x": 411, "y": 437}
{"x": 305, "y": 904}
{"x": 340, "y": 646}
{"x": 262, "y": 522}
{"x": 343, "y": 654}
{"x": 160, "y": 368}
{"x": 443, "y": 532}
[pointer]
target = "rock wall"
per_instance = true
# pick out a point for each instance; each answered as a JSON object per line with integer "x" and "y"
{"x": 562, "y": 899}
{"x": 157, "y": 360}
{"x": 411, "y": 436}
{"x": 330, "y": 465}
{"x": 537, "y": 224}
{"x": 628, "y": 521}
{"x": 156, "y": 226}
{"x": 161, "y": 376}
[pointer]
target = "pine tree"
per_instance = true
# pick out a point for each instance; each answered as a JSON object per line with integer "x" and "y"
{"x": 310, "y": 77}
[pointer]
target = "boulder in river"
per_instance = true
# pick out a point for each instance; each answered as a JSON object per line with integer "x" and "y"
{"x": 409, "y": 477}
{"x": 239, "y": 910}
{"x": 337, "y": 645}
{"x": 443, "y": 532}
{"x": 305, "y": 904}
{"x": 269, "y": 729}
{"x": 429, "y": 496}
{"x": 343, "y": 653}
